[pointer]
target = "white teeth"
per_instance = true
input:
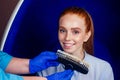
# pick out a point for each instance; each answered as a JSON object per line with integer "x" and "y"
{"x": 68, "y": 44}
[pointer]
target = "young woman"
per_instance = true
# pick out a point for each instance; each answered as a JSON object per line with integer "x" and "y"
{"x": 76, "y": 38}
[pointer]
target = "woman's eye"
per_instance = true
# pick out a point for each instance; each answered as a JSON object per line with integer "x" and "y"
{"x": 76, "y": 32}
{"x": 62, "y": 30}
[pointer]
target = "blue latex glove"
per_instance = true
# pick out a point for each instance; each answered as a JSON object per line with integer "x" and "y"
{"x": 43, "y": 61}
{"x": 65, "y": 75}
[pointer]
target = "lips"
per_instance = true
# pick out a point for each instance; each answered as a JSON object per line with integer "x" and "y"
{"x": 67, "y": 45}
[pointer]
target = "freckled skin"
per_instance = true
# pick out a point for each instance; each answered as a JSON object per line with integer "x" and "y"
{"x": 72, "y": 34}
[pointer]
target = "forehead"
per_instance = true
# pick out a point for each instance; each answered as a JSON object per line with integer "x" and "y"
{"x": 72, "y": 20}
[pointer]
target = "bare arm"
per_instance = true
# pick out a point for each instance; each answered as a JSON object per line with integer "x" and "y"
{"x": 18, "y": 66}
{"x": 34, "y": 78}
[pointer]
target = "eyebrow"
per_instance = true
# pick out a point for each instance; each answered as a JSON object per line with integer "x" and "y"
{"x": 76, "y": 28}
{"x": 62, "y": 27}
{"x": 71, "y": 29}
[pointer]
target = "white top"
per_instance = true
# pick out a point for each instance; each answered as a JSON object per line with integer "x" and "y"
{"x": 98, "y": 70}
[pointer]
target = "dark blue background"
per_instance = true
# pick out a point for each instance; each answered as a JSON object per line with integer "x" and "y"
{"x": 35, "y": 28}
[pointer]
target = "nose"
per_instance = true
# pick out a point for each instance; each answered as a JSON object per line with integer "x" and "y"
{"x": 68, "y": 36}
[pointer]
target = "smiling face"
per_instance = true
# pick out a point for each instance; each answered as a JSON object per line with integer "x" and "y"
{"x": 72, "y": 33}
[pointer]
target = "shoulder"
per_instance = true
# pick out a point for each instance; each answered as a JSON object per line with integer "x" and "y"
{"x": 99, "y": 67}
{"x": 97, "y": 62}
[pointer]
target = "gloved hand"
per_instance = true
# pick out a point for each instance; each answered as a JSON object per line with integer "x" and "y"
{"x": 65, "y": 75}
{"x": 43, "y": 61}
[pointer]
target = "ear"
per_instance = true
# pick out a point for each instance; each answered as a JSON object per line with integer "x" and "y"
{"x": 87, "y": 36}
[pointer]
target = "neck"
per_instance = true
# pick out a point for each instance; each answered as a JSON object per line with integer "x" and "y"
{"x": 80, "y": 54}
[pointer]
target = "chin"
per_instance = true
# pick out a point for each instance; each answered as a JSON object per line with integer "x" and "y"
{"x": 69, "y": 51}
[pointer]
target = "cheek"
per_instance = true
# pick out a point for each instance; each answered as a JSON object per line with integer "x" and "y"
{"x": 60, "y": 37}
{"x": 79, "y": 40}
